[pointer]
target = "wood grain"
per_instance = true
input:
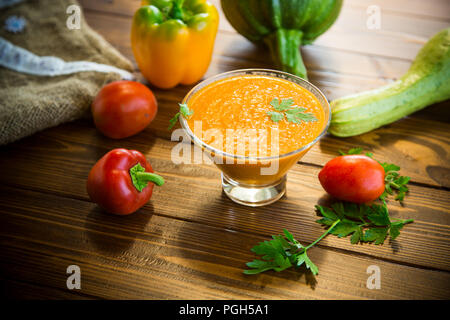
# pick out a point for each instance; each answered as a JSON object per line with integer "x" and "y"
{"x": 68, "y": 159}
{"x": 434, "y": 9}
{"x": 150, "y": 256}
{"x": 384, "y": 42}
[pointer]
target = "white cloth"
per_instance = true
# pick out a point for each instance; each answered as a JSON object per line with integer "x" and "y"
{"x": 22, "y": 60}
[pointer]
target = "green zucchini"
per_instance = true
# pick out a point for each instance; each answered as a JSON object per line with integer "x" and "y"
{"x": 283, "y": 26}
{"x": 426, "y": 82}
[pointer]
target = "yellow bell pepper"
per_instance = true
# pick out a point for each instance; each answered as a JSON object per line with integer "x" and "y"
{"x": 173, "y": 40}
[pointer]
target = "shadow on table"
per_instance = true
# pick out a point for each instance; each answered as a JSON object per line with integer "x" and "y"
{"x": 142, "y": 142}
{"x": 113, "y": 234}
{"x": 225, "y": 244}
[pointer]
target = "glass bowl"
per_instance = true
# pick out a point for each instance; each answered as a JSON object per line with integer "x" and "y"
{"x": 255, "y": 181}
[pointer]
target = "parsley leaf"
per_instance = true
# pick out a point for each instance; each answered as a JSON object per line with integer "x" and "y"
{"x": 293, "y": 114}
{"x": 345, "y": 228}
{"x": 283, "y": 252}
{"x": 351, "y": 151}
{"x": 356, "y": 236}
{"x": 364, "y": 223}
{"x": 378, "y": 215}
{"x": 184, "y": 111}
{"x": 297, "y": 115}
{"x": 309, "y": 264}
{"x": 393, "y": 180}
{"x": 394, "y": 230}
{"x": 375, "y": 234}
{"x": 275, "y": 116}
{"x": 276, "y": 255}
{"x": 283, "y": 105}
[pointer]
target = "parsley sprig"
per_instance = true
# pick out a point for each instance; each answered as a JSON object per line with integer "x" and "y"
{"x": 184, "y": 111}
{"x": 363, "y": 223}
{"x": 283, "y": 252}
{"x": 393, "y": 181}
{"x": 368, "y": 223}
{"x": 285, "y": 108}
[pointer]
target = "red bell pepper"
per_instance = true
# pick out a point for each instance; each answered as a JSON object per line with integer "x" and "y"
{"x": 119, "y": 181}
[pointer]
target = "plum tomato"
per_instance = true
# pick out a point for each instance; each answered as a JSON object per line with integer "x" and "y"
{"x": 123, "y": 108}
{"x": 354, "y": 178}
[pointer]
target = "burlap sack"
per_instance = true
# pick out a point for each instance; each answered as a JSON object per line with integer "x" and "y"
{"x": 31, "y": 103}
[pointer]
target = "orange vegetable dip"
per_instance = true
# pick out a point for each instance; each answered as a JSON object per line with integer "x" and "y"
{"x": 242, "y": 102}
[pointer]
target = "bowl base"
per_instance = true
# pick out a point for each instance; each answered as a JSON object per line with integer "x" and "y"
{"x": 253, "y": 195}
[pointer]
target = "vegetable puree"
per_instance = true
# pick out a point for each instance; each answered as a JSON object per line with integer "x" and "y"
{"x": 241, "y": 103}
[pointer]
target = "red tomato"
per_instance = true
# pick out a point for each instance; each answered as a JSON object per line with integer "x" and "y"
{"x": 123, "y": 108}
{"x": 354, "y": 178}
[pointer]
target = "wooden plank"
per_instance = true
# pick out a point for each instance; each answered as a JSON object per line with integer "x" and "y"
{"x": 398, "y": 37}
{"x": 432, "y": 9}
{"x": 19, "y": 290}
{"x": 326, "y": 69}
{"x": 59, "y": 162}
{"x": 126, "y": 8}
{"x": 150, "y": 256}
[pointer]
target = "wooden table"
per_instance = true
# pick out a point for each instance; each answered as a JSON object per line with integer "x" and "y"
{"x": 190, "y": 241}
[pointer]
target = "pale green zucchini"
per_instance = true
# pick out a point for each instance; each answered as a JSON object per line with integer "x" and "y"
{"x": 426, "y": 82}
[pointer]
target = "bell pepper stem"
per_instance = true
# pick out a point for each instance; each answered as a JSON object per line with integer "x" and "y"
{"x": 140, "y": 178}
{"x": 284, "y": 45}
{"x": 146, "y": 177}
{"x": 177, "y": 10}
